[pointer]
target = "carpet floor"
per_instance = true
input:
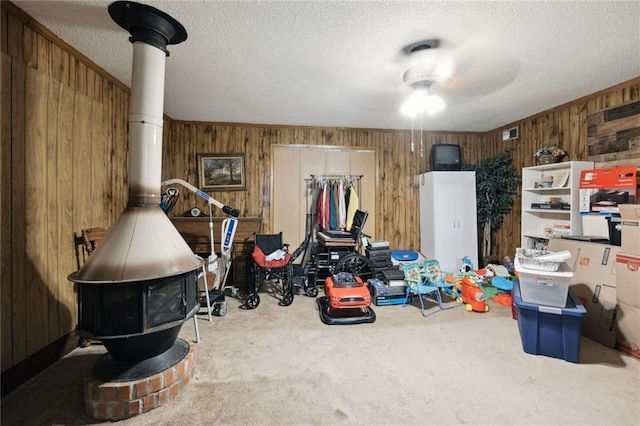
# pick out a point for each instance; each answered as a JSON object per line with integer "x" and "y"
{"x": 277, "y": 365}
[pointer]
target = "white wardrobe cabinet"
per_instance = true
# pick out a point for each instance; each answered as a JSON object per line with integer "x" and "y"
{"x": 448, "y": 219}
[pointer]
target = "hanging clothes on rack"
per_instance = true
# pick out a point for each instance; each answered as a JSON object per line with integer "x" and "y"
{"x": 334, "y": 200}
{"x": 346, "y": 202}
{"x": 323, "y": 207}
{"x": 354, "y": 203}
{"x": 332, "y": 207}
{"x": 342, "y": 207}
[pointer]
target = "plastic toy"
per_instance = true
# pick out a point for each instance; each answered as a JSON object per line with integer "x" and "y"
{"x": 467, "y": 265}
{"x": 347, "y": 300}
{"x": 472, "y": 296}
{"x": 504, "y": 286}
{"x": 455, "y": 290}
{"x": 503, "y": 281}
{"x": 482, "y": 274}
{"x": 346, "y": 291}
{"x": 467, "y": 270}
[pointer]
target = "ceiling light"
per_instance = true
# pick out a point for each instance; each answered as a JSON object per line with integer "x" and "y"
{"x": 422, "y": 101}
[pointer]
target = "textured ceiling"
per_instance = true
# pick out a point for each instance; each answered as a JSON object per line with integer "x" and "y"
{"x": 340, "y": 63}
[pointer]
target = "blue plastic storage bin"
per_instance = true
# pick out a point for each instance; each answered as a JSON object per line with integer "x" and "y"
{"x": 548, "y": 330}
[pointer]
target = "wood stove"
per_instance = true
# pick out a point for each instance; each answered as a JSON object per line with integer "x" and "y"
{"x": 139, "y": 286}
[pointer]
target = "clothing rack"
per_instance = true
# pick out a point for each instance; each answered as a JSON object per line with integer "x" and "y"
{"x": 321, "y": 179}
{"x": 315, "y": 182}
{"x": 324, "y": 178}
{"x": 334, "y": 176}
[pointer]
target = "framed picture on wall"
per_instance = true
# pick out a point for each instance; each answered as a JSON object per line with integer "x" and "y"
{"x": 221, "y": 172}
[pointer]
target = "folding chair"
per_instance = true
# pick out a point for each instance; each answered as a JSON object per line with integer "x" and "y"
{"x": 435, "y": 276}
{"x": 419, "y": 284}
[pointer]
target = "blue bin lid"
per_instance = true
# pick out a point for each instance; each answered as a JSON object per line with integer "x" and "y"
{"x": 404, "y": 255}
{"x": 574, "y": 306}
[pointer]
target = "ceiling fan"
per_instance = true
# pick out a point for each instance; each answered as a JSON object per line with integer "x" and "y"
{"x": 437, "y": 72}
{"x": 425, "y": 71}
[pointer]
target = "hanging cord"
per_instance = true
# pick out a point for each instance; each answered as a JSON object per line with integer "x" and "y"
{"x": 421, "y": 137}
{"x": 413, "y": 144}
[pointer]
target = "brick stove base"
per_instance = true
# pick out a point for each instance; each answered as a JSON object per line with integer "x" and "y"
{"x": 121, "y": 400}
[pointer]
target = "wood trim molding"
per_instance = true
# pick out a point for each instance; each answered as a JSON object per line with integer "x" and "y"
{"x": 34, "y": 364}
{"x": 582, "y": 99}
{"x": 49, "y": 35}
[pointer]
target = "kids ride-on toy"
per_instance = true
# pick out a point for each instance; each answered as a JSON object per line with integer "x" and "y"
{"x": 472, "y": 296}
{"x": 347, "y": 300}
{"x": 453, "y": 291}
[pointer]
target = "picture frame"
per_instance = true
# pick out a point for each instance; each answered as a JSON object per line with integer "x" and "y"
{"x": 221, "y": 172}
{"x": 561, "y": 180}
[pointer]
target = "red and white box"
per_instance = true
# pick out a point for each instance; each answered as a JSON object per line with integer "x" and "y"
{"x": 603, "y": 190}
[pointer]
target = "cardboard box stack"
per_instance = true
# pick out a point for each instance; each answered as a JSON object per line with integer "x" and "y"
{"x": 628, "y": 281}
{"x": 594, "y": 283}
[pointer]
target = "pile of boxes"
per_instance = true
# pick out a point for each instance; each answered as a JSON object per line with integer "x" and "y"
{"x": 606, "y": 279}
{"x": 628, "y": 280}
{"x": 388, "y": 286}
{"x": 602, "y": 193}
{"x": 379, "y": 254}
{"x": 594, "y": 283}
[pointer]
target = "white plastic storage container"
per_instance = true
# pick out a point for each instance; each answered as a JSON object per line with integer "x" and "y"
{"x": 541, "y": 260}
{"x": 544, "y": 288}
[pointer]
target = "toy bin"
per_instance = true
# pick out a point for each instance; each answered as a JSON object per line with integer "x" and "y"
{"x": 542, "y": 287}
{"x": 550, "y": 331}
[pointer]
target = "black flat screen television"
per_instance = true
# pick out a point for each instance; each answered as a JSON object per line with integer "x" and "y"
{"x": 446, "y": 157}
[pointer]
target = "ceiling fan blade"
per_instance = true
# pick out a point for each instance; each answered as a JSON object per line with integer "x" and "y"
{"x": 477, "y": 72}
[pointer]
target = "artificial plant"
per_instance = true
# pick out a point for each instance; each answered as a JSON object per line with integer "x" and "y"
{"x": 496, "y": 184}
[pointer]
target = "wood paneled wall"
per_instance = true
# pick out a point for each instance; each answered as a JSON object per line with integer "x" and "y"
{"x": 64, "y": 161}
{"x": 566, "y": 127}
{"x": 397, "y": 167}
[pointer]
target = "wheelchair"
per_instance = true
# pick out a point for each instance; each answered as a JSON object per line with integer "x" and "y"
{"x": 340, "y": 251}
{"x": 271, "y": 260}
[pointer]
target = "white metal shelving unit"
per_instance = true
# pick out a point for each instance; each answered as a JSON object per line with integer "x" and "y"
{"x": 540, "y": 224}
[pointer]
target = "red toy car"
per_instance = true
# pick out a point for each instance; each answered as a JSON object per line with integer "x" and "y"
{"x": 346, "y": 291}
{"x": 472, "y": 296}
{"x": 347, "y": 300}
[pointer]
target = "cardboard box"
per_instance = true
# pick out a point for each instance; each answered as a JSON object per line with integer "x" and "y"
{"x": 630, "y": 224}
{"x": 604, "y": 190}
{"x": 595, "y": 225}
{"x": 382, "y": 294}
{"x": 594, "y": 282}
{"x": 600, "y": 321}
{"x": 628, "y": 279}
{"x": 591, "y": 263}
{"x": 628, "y": 334}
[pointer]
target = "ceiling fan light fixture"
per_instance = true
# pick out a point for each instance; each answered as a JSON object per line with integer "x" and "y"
{"x": 422, "y": 101}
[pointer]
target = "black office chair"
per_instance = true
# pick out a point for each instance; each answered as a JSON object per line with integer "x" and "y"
{"x": 352, "y": 237}
{"x": 339, "y": 251}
